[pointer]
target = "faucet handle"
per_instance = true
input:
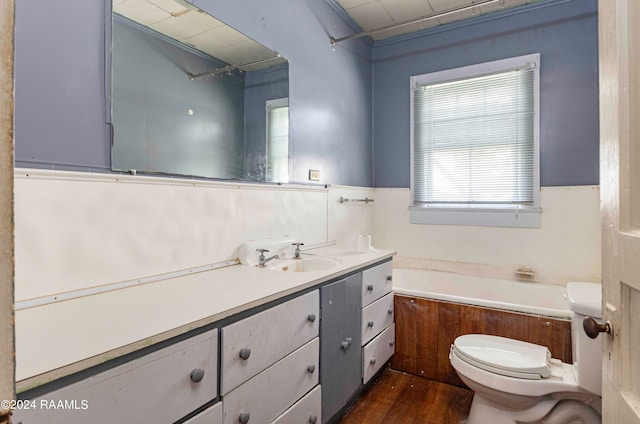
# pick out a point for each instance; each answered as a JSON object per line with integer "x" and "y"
{"x": 262, "y": 257}
{"x": 297, "y": 251}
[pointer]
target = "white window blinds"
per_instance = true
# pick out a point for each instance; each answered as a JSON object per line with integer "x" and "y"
{"x": 473, "y": 139}
{"x": 278, "y": 140}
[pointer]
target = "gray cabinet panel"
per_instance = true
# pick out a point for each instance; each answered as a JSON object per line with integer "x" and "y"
{"x": 340, "y": 357}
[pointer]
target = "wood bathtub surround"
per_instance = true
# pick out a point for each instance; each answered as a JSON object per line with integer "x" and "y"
{"x": 425, "y": 330}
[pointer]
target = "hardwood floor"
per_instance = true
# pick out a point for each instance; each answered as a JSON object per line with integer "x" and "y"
{"x": 399, "y": 398}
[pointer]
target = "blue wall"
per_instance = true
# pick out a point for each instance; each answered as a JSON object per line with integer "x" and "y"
{"x": 60, "y": 106}
{"x": 565, "y": 33}
{"x": 329, "y": 91}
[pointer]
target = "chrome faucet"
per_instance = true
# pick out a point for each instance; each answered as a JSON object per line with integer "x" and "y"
{"x": 297, "y": 252}
{"x": 262, "y": 260}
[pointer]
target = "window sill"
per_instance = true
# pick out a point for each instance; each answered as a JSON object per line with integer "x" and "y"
{"x": 476, "y": 216}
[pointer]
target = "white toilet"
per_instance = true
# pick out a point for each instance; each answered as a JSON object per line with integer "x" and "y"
{"x": 519, "y": 382}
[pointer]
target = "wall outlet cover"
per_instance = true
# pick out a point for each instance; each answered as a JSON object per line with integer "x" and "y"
{"x": 314, "y": 175}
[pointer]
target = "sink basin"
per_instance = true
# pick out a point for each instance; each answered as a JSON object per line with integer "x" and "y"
{"x": 306, "y": 264}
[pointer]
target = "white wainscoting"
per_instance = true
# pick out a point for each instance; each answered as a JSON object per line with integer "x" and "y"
{"x": 76, "y": 230}
{"x": 565, "y": 248}
{"x": 350, "y": 219}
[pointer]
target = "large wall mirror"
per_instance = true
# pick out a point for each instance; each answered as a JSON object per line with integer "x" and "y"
{"x": 192, "y": 96}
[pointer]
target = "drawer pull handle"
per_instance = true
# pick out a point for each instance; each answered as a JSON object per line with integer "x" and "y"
{"x": 390, "y": 311}
{"x": 197, "y": 375}
{"x": 389, "y": 278}
{"x": 311, "y": 368}
{"x": 243, "y": 418}
{"x": 370, "y": 324}
{"x": 370, "y": 287}
{"x": 313, "y": 419}
{"x": 346, "y": 343}
{"x": 391, "y": 343}
{"x": 244, "y": 353}
{"x": 372, "y": 361}
{"x": 311, "y": 318}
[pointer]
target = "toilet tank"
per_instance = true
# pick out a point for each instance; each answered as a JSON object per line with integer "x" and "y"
{"x": 585, "y": 300}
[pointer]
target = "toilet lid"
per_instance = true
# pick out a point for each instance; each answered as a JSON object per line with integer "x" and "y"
{"x": 504, "y": 356}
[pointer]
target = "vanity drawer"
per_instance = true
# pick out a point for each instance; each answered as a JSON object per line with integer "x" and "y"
{"x": 265, "y": 338}
{"x": 267, "y": 395}
{"x": 158, "y": 387}
{"x": 376, "y": 282}
{"x": 304, "y": 411}
{"x": 376, "y": 317}
{"x": 212, "y": 415}
{"x": 378, "y": 352}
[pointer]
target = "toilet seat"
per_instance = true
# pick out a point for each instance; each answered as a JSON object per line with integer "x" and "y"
{"x": 500, "y": 355}
{"x": 562, "y": 380}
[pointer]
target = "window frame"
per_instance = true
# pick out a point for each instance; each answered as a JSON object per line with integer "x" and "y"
{"x": 502, "y": 215}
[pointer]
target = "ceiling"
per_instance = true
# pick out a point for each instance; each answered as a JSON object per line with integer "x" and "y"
{"x": 182, "y": 21}
{"x": 375, "y": 14}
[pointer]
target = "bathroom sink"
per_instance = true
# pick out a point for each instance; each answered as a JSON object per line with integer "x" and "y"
{"x": 306, "y": 264}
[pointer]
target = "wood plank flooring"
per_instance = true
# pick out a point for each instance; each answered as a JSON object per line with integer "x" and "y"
{"x": 399, "y": 398}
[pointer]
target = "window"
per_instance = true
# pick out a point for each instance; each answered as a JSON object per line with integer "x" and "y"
{"x": 278, "y": 140}
{"x": 474, "y": 145}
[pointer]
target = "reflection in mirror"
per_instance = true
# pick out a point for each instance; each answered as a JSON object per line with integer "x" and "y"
{"x": 278, "y": 140}
{"x": 192, "y": 96}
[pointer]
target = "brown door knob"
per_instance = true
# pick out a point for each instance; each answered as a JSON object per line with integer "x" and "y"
{"x": 593, "y": 329}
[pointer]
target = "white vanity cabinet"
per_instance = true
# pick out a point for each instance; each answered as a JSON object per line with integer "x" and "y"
{"x": 376, "y": 282}
{"x": 266, "y": 396}
{"x": 376, "y": 317}
{"x": 267, "y": 365}
{"x": 305, "y": 411}
{"x": 270, "y": 360}
{"x": 377, "y": 327}
{"x": 160, "y": 387}
{"x": 251, "y": 345}
{"x": 377, "y": 352}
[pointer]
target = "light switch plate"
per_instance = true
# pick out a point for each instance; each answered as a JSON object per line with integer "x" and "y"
{"x": 314, "y": 175}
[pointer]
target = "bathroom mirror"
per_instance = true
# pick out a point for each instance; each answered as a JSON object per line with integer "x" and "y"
{"x": 192, "y": 96}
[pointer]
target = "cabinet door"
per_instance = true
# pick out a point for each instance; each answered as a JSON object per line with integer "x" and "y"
{"x": 267, "y": 395}
{"x": 160, "y": 387}
{"x": 377, "y": 352}
{"x": 251, "y": 345}
{"x": 376, "y": 317}
{"x": 340, "y": 358}
{"x": 304, "y": 411}
{"x": 376, "y": 282}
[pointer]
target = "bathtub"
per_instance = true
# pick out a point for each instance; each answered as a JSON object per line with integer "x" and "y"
{"x": 525, "y": 297}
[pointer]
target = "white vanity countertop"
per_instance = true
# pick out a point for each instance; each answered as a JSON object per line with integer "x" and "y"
{"x": 61, "y": 338}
